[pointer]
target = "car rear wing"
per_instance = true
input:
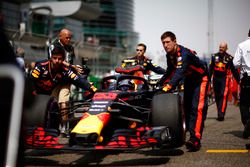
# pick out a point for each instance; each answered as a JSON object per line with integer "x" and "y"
{"x": 15, "y": 75}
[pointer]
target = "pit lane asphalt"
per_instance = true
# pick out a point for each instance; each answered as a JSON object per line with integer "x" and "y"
{"x": 222, "y": 146}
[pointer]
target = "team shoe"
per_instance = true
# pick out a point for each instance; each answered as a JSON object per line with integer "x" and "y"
{"x": 246, "y": 132}
{"x": 64, "y": 129}
{"x": 193, "y": 145}
{"x": 220, "y": 119}
{"x": 64, "y": 133}
{"x": 248, "y": 146}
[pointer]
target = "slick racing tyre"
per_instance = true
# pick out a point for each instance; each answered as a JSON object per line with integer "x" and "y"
{"x": 52, "y": 116}
{"x": 167, "y": 111}
{"x": 43, "y": 112}
{"x": 34, "y": 115}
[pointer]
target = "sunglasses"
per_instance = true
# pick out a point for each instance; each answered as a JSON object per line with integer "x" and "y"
{"x": 139, "y": 50}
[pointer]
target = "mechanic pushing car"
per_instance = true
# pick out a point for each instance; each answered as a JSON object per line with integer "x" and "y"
{"x": 145, "y": 61}
{"x": 52, "y": 76}
{"x": 183, "y": 63}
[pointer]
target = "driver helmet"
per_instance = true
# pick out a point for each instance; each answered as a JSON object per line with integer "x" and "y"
{"x": 126, "y": 85}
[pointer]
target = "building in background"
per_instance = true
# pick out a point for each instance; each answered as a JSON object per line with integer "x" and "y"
{"x": 112, "y": 32}
{"x": 103, "y": 29}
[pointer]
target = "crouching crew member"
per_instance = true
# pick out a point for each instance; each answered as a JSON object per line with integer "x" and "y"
{"x": 51, "y": 77}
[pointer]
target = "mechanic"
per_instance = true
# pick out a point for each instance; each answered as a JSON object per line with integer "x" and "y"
{"x": 146, "y": 64}
{"x": 220, "y": 69}
{"x": 145, "y": 61}
{"x": 242, "y": 60}
{"x": 8, "y": 57}
{"x": 235, "y": 90}
{"x": 20, "y": 58}
{"x": 52, "y": 76}
{"x": 184, "y": 63}
{"x": 64, "y": 40}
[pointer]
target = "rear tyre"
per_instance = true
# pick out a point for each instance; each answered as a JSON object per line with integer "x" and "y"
{"x": 52, "y": 115}
{"x": 43, "y": 112}
{"x": 167, "y": 111}
{"x": 34, "y": 115}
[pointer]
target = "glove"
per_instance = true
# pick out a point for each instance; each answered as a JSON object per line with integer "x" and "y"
{"x": 79, "y": 69}
{"x": 88, "y": 94}
{"x": 93, "y": 88}
{"x": 181, "y": 87}
{"x": 167, "y": 88}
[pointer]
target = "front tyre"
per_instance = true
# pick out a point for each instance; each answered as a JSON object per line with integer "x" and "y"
{"x": 167, "y": 111}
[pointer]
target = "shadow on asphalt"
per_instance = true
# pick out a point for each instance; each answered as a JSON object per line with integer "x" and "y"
{"x": 160, "y": 157}
{"x": 42, "y": 152}
{"x": 95, "y": 158}
{"x": 40, "y": 162}
{"x": 136, "y": 162}
{"x": 162, "y": 152}
{"x": 235, "y": 133}
{"x": 212, "y": 118}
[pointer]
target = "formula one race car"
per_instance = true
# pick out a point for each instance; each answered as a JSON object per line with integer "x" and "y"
{"x": 125, "y": 114}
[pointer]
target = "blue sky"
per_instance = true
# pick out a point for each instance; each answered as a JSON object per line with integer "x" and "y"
{"x": 188, "y": 19}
